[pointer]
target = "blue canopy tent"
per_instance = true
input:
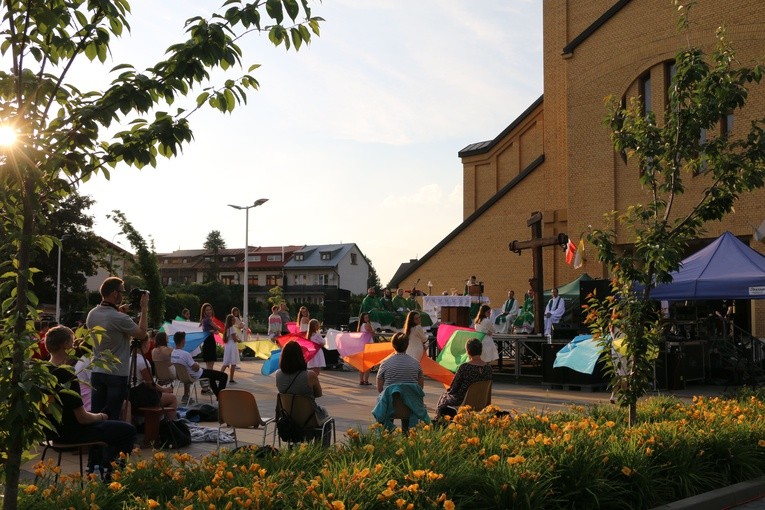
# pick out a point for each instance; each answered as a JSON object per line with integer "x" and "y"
{"x": 726, "y": 269}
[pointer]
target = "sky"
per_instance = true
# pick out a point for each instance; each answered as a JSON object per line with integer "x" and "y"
{"x": 353, "y": 139}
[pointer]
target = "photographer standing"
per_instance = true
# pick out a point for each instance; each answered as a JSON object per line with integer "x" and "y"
{"x": 110, "y": 385}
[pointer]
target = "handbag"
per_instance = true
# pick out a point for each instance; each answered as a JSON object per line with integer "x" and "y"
{"x": 174, "y": 434}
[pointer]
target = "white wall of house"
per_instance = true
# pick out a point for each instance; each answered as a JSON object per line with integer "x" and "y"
{"x": 353, "y": 277}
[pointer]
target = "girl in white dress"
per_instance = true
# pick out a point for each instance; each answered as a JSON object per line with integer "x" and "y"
{"x": 314, "y": 335}
{"x": 303, "y": 318}
{"x": 231, "y": 351}
{"x": 365, "y": 326}
{"x": 484, "y": 324}
{"x": 416, "y": 334}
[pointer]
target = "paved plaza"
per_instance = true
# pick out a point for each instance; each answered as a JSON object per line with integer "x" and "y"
{"x": 351, "y": 404}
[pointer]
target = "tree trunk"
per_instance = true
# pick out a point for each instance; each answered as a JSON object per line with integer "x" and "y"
{"x": 632, "y": 419}
{"x": 16, "y": 433}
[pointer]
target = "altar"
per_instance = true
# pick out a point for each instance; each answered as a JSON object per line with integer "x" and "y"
{"x": 451, "y": 309}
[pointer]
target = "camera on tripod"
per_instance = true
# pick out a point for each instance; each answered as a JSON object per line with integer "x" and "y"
{"x": 135, "y": 298}
{"x": 135, "y": 345}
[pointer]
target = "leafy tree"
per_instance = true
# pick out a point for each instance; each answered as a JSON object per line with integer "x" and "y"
{"x": 81, "y": 253}
{"x": 275, "y": 296}
{"x": 147, "y": 266}
{"x": 214, "y": 243}
{"x": 65, "y": 135}
{"x": 373, "y": 280}
{"x": 703, "y": 91}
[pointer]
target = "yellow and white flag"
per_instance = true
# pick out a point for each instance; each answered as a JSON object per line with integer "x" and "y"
{"x": 579, "y": 256}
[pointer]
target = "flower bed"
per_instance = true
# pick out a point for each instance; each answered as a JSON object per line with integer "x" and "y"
{"x": 582, "y": 458}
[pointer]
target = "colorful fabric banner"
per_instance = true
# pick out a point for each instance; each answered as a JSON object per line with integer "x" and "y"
{"x": 453, "y": 354}
{"x": 309, "y": 348}
{"x": 261, "y": 347}
{"x": 580, "y": 354}
{"x": 193, "y": 341}
{"x": 293, "y": 327}
{"x": 271, "y": 365}
{"x": 445, "y": 332}
{"x": 351, "y": 343}
{"x": 435, "y": 371}
{"x": 371, "y": 355}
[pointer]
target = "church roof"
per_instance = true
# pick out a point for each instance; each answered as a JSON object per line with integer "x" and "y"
{"x": 483, "y": 147}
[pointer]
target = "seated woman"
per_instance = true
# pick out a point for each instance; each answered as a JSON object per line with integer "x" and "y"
{"x": 78, "y": 425}
{"x": 161, "y": 351}
{"x": 151, "y": 394}
{"x": 294, "y": 378}
{"x": 473, "y": 371}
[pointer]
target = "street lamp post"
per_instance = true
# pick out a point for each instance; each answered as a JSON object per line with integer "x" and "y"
{"x": 246, "y": 208}
{"x": 58, "y": 281}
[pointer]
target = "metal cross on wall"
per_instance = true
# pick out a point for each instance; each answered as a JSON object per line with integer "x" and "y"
{"x": 536, "y": 243}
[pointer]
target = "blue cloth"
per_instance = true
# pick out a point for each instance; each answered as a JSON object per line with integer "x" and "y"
{"x": 580, "y": 354}
{"x": 412, "y": 396}
{"x": 271, "y": 365}
{"x": 193, "y": 340}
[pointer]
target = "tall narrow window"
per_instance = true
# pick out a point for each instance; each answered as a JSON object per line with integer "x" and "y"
{"x": 726, "y": 124}
{"x": 645, "y": 93}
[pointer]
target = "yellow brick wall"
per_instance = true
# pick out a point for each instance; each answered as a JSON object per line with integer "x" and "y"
{"x": 582, "y": 177}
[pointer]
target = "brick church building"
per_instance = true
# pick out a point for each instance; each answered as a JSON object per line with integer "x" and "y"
{"x": 557, "y": 157}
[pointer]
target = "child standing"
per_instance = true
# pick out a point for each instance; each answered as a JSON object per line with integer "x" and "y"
{"x": 231, "y": 350}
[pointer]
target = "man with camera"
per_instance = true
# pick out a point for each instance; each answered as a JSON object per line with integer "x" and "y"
{"x": 110, "y": 385}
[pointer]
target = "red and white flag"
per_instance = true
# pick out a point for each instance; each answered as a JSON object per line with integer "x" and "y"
{"x": 570, "y": 251}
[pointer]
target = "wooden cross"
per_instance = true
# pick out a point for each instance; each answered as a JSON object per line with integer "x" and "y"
{"x": 536, "y": 243}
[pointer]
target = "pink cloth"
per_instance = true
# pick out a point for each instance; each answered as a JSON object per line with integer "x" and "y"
{"x": 445, "y": 332}
{"x": 351, "y": 343}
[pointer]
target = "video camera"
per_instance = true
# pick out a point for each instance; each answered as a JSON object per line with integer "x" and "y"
{"x": 135, "y": 298}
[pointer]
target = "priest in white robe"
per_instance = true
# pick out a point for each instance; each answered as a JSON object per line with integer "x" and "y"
{"x": 554, "y": 311}
{"x": 510, "y": 311}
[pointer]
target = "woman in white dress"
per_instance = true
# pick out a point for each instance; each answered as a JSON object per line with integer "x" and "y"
{"x": 303, "y": 318}
{"x": 314, "y": 335}
{"x": 416, "y": 335}
{"x": 484, "y": 324}
{"x": 231, "y": 350}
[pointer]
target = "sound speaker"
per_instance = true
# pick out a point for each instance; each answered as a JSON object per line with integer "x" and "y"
{"x": 337, "y": 307}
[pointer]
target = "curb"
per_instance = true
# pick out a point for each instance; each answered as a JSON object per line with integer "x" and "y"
{"x": 720, "y": 499}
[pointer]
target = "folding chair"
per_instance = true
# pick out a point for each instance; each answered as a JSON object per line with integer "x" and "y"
{"x": 478, "y": 396}
{"x": 165, "y": 373}
{"x": 301, "y": 409}
{"x": 182, "y": 374}
{"x": 401, "y": 412}
{"x": 60, "y": 448}
{"x": 239, "y": 409}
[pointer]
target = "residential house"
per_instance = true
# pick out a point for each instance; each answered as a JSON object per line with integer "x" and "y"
{"x": 314, "y": 269}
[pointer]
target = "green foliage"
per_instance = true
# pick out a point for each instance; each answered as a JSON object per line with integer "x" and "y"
{"x": 214, "y": 243}
{"x": 175, "y": 303}
{"x": 704, "y": 90}
{"x": 67, "y": 133}
{"x": 148, "y": 268}
{"x": 581, "y": 458}
{"x": 275, "y": 296}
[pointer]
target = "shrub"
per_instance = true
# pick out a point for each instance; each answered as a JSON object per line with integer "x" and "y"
{"x": 581, "y": 458}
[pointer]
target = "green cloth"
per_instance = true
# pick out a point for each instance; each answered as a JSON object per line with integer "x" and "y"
{"x": 401, "y": 302}
{"x": 413, "y": 304}
{"x": 369, "y": 303}
{"x": 454, "y": 354}
{"x": 527, "y": 312}
{"x": 387, "y": 304}
{"x": 505, "y": 310}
